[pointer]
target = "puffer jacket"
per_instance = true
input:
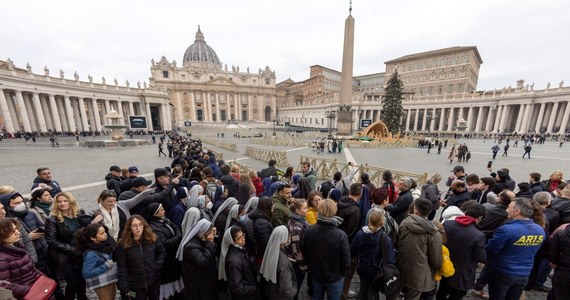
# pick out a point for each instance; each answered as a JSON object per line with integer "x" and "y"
{"x": 419, "y": 253}
{"x": 16, "y": 266}
{"x": 349, "y": 211}
{"x": 262, "y": 229}
{"x": 559, "y": 253}
{"x": 399, "y": 210}
{"x": 170, "y": 236}
{"x": 242, "y": 279}
{"x": 140, "y": 265}
{"x": 113, "y": 183}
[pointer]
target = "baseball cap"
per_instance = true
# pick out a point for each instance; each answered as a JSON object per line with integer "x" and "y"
{"x": 458, "y": 168}
{"x": 133, "y": 169}
{"x": 139, "y": 181}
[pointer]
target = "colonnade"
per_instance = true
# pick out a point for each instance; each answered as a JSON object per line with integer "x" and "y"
{"x": 25, "y": 110}
{"x": 551, "y": 117}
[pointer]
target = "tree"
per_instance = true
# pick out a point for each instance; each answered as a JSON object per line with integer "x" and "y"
{"x": 392, "y": 109}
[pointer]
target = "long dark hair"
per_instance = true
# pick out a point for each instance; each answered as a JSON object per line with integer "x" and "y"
{"x": 83, "y": 236}
{"x": 264, "y": 205}
{"x": 127, "y": 238}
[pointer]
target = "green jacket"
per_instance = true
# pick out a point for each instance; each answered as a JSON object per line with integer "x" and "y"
{"x": 281, "y": 212}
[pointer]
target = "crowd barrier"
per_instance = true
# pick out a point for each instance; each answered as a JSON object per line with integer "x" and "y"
{"x": 227, "y": 146}
{"x": 264, "y": 154}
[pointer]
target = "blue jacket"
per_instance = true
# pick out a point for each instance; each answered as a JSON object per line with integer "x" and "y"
{"x": 94, "y": 263}
{"x": 366, "y": 246}
{"x": 512, "y": 249}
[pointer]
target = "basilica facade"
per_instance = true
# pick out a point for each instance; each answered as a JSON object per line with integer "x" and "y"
{"x": 202, "y": 89}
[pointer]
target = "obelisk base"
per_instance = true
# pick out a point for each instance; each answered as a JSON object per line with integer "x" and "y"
{"x": 344, "y": 123}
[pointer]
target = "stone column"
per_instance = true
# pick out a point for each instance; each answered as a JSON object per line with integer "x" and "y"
{"x": 121, "y": 113}
{"x": 77, "y": 115}
{"x": 132, "y": 109}
{"x": 218, "y": 114}
{"x": 207, "y": 106}
{"x": 489, "y": 120}
{"x": 552, "y": 118}
{"x": 451, "y": 119}
{"x": 479, "y": 119}
{"x": 498, "y": 118}
{"x": 424, "y": 120}
{"x": 30, "y": 110}
{"x": 98, "y": 126}
{"x": 148, "y": 117}
{"x": 520, "y": 117}
{"x": 69, "y": 112}
{"x": 47, "y": 113}
{"x": 83, "y": 113}
{"x": 39, "y": 112}
{"x": 179, "y": 112}
{"x": 441, "y": 119}
{"x": 168, "y": 116}
{"x": 565, "y": 118}
{"x": 163, "y": 117}
{"x": 261, "y": 109}
{"x": 540, "y": 117}
{"x": 416, "y": 119}
{"x": 504, "y": 118}
{"x": 192, "y": 106}
{"x": 408, "y": 119}
{"x": 8, "y": 123}
{"x": 526, "y": 118}
{"x": 23, "y": 112}
{"x": 107, "y": 106}
{"x": 55, "y": 113}
{"x": 470, "y": 119}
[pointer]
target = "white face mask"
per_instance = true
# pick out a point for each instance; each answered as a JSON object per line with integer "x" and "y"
{"x": 209, "y": 205}
{"x": 20, "y": 208}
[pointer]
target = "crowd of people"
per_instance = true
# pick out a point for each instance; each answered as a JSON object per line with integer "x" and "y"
{"x": 205, "y": 229}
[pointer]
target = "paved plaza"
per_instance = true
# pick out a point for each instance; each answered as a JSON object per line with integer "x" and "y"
{"x": 82, "y": 170}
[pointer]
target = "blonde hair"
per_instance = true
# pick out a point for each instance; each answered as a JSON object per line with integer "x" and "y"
{"x": 73, "y": 207}
{"x": 6, "y": 189}
{"x": 244, "y": 178}
{"x": 327, "y": 208}
{"x": 375, "y": 220}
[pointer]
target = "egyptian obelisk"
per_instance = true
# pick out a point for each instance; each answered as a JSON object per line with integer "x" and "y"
{"x": 344, "y": 121}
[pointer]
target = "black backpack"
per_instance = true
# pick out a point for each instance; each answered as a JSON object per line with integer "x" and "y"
{"x": 387, "y": 280}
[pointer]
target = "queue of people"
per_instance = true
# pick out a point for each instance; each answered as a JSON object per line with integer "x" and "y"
{"x": 202, "y": 231}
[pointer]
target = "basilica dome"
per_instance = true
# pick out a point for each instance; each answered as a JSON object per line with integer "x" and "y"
{"x": 200, "y": 51}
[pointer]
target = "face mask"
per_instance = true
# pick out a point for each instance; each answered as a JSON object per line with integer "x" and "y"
{"x": 209, "y": 205}
{"x": 20, "y": 208}
{"x": 242, "y": 218}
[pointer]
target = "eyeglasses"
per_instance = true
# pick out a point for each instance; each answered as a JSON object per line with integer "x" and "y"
{"x": 137, "y": 226}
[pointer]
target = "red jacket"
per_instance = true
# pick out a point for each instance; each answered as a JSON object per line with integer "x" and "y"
{"x": 16, "y": 266}
{"x": 258, "y": 185}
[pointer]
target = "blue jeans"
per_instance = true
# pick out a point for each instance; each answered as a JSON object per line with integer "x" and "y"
{"x": 505, "y": 287}
{"x": 333, "y": 290}
{"x": 543, "y": 271}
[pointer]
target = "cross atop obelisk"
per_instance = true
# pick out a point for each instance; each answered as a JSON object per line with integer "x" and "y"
{"x": 344, "y": 121}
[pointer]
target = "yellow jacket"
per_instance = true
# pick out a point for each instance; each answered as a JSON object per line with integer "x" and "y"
{"x": 446, "y": 269}
{"x": 311, "y": 215}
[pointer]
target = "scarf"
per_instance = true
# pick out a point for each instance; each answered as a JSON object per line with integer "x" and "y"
{"x": 43, "y": 206}
{"x": 111, "y": 220}
{"x": 336, "y": 220}
{"x": 271, "y": 256}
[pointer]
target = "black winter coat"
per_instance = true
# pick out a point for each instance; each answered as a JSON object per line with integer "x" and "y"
{"x": 466, "y": 246}
{"x": 162, "y": 197}
{"x": 200, "y": 258}
{"x": 349, "y": 211}
{"x": 495, "y": 216}
{"x": 113, "y": 183}
{"x": 242, "y": 279}
{"x": 170, "y": 236}
{"x": 562, "y": 205}
{"x": 140, "y": 265}
{"x": 559, "y": 253}
{"x": 458, "y": 198}
{"x": 262, "y": 229}
{"x": 327, "y": 252}
{"x": 399, "y": 209}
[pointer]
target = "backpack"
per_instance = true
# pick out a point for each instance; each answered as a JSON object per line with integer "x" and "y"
{"x": 387, "y": 280}
{"x": 211, "y": 188}
{"x": 392, "y": 192}
{"x": 343, "y": 190}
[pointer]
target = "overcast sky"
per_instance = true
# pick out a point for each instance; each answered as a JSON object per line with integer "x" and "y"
{"x": 520, "y": 39}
